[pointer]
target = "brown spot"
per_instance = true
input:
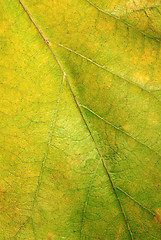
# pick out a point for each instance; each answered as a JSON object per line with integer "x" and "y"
{"x": 158, "y": 216}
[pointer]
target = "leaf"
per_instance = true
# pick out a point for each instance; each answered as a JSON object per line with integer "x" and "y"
{"x": 142, "y": 15}
{"x": 80, "y": 120}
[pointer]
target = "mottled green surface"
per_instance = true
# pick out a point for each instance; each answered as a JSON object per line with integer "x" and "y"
{"x": 80, "y": 120}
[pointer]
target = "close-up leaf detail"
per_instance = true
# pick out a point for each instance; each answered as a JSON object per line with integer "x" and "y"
{"x": 80, "y": 128}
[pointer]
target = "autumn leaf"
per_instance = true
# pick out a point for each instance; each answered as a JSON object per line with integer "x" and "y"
{"x": 80, "y": 120}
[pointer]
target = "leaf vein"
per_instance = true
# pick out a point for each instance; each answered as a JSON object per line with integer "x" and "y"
{"x": 123, "y": 21}
{"x": 107, "y": 70}
{"x": 119, "y": 129}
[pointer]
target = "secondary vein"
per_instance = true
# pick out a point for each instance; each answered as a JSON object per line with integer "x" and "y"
{"x": 119, "y": 129}
{"x": 121, "y": 20}
{"x": 107, "y": 70}
{"x": 81, "y": 113}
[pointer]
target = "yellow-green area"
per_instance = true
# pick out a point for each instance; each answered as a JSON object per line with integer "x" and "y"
{"x": 144, "y": 15}
{"x": 80, "y": 128}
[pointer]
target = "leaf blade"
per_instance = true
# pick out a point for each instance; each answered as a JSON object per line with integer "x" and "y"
{"x": 114, "y": 147}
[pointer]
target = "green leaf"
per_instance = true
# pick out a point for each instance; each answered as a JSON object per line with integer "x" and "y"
{"x": 80, "y": 120}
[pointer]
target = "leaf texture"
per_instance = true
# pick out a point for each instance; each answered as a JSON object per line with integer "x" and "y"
{"x": 80, "y": 120}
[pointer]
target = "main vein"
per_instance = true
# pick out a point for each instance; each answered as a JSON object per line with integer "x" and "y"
{"x": 84, "y": 119}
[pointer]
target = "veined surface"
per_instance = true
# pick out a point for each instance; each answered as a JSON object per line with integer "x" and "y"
{"x": 80, "y": 120}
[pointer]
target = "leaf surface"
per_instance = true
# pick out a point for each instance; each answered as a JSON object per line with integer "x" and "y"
{"x": 80, "y": 120}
